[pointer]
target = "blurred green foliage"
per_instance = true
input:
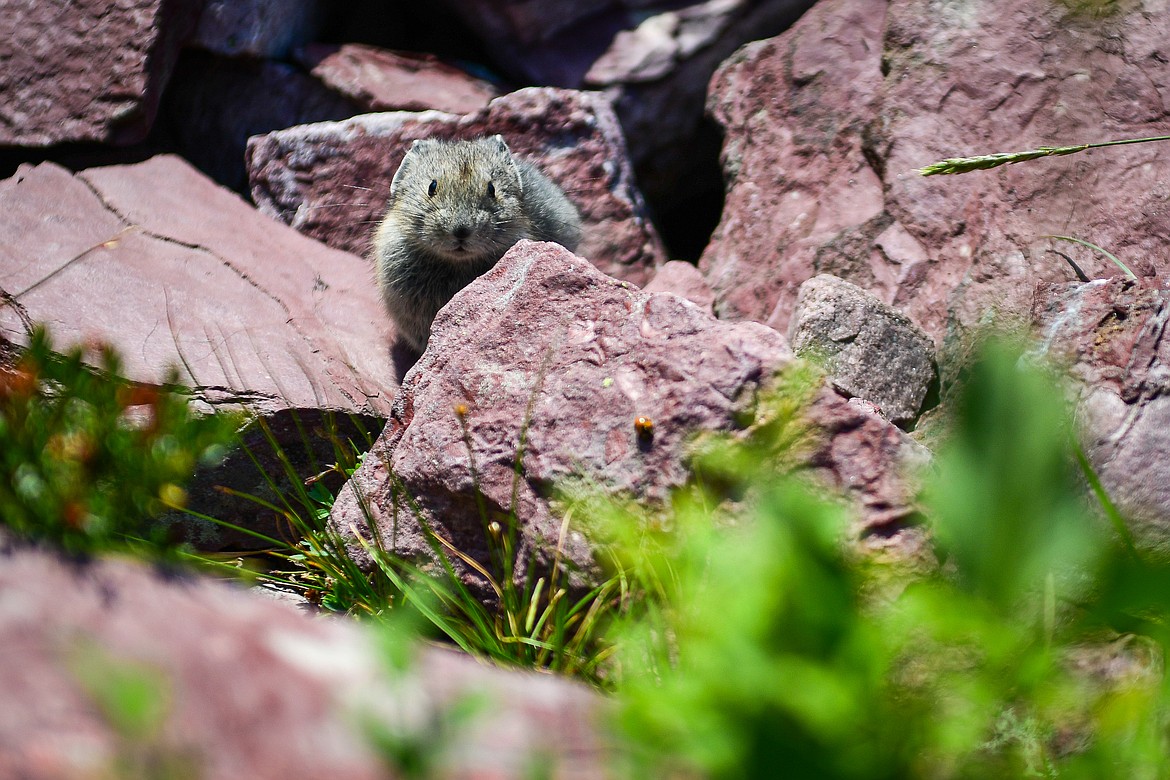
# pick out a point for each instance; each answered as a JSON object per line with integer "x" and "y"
{"x": 87, "y": 460}
{"x": 768, "y": 649}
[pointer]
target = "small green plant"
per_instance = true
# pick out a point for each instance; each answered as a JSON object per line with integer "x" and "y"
{"x": 537, "y": 623}
{"x": 88, "y": 460}
{"x": 134, "y": 700}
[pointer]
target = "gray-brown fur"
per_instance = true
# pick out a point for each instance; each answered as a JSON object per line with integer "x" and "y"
{"x": 455, "y": 208}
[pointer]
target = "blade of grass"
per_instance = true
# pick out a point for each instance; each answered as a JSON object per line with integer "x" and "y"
{"x": 1093, "y": 246}
{"x": 956, "y": 165}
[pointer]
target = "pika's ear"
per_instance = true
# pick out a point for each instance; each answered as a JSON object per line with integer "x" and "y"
{"x": 401, "y": 172}
{"x": 500, "y": 143}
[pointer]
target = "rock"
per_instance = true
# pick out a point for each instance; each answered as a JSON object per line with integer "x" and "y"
{"x": 685, "y": 281}
{"x": 86, "y": 70}
{"x": 794, "y": 109}
{"x": 214, "y": 104}
{"x": 380, "y": 80}
{"x": 870, "y": 350}
{"x": 256, "y": 28}
{"x": 173, "y": 270}
{"x": 826, "y": 124}
{"x": 546, "y": 338}
{"x": 1109, "y": 334}
{"x": 331, "y": 180}
{"x": 246, "y": 687}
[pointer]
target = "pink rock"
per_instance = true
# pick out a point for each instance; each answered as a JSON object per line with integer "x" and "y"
{"x": 248, "y": 687}
{"x": 685, "y": 281}
{"x": 1110, "y": 336}
{"x": 173, "y": 270}
{"x": 588, "y": 355}
{"x": 331, "y": 180}
{"x": 381, "y": 80}
{"x": 793, "y": 109}
{"x": 86, "y": 70}
{"x": 826, "y": 124}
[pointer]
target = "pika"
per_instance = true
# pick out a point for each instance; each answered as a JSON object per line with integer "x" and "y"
{"x": 455, "y": 208}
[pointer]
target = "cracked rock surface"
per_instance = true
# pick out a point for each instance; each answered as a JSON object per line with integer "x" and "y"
{"x": 86, "y": 70}
{"x": 173, "y": 270}
{"x": 1112, "y": 337}
{"x": 826, "y": 124}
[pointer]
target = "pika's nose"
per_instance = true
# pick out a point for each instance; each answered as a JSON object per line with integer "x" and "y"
{"x": 461, "y": 232}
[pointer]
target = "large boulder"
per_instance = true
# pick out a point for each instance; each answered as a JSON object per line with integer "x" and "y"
{"x": 826, "y": 124}
{"x": 174, "y": 271}
{"x": 332, "y": 180}
{"x": 110, "y": 669}
{"x": 544, "y": 367}
{"x": 1109, "y": 336}
{"x": 86, "y": 70}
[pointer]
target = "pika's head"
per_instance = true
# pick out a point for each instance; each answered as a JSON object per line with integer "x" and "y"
{"x": 462, "y": 199}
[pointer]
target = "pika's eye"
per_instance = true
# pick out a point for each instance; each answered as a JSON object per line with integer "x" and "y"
{"x": 491, "y": 190}
{"x": 433, "y": 188}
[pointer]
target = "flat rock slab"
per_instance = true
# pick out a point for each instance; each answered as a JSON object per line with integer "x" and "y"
{"x": 1111, "y": 335}
{"x": 545, "y": 337}
{"x": 247, "y": 687}
{"x": 826, "y": 124}
{"x": 173, "y": 270}
{"x": 382, "y": 80}
{"x": 332, "y": 180}
{"x": 88, "y": 70}
{"x": 870, "y": 350}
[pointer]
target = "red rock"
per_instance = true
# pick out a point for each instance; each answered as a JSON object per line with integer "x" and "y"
{"x": 826, "y": 124}
{"x": 248, "y": 687}
{"x": 86, "y": 70}
{"x": 588, "y": 355}
{"x": 173, "y": 270}
{"x": 381, "y": 80}
{"x": 793, "y": 109}
{"x": 1110, "y": 336}
{"x": 685, "y": 281}
{"x": 331, "y": 180}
